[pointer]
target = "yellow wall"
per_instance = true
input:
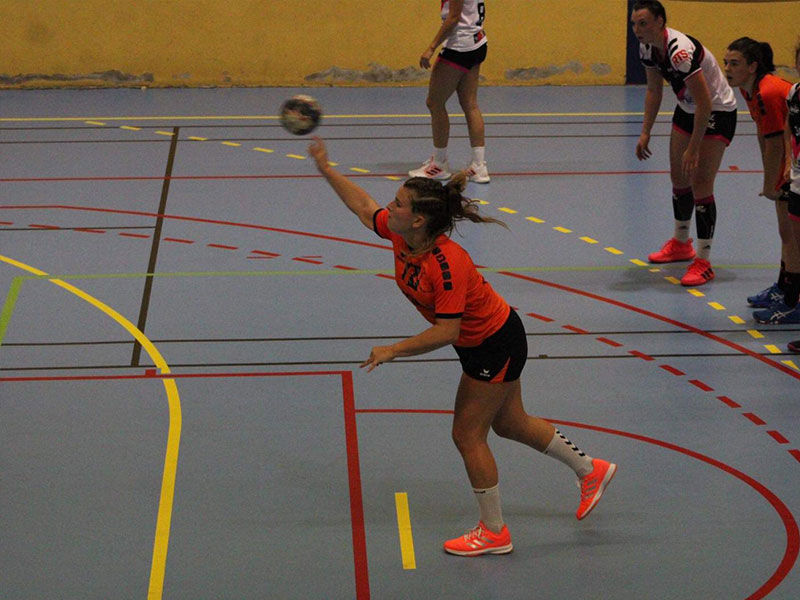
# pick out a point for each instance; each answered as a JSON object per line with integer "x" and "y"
{"x": 308, "y": 42}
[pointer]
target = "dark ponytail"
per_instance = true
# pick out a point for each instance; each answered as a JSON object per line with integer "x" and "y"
{"x": 753, "y": 51}
{"x": 443, "y": 206}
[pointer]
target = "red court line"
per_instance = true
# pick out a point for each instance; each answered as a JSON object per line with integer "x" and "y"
{"x": 308, "y": 260}
{"x": 575, "y": 329}
{"x": 264, "y": 253}
{"x": 754, "y": 418}
{"x": 701, "y": 385}
{"x": 609, "y": 342}
{"x": 785, "y": 369}
{"x": 672, "y": 370}
{"x": 641, "y": 355}
{"x": 789, "y": 523}
{"x": 729, "y": 402}
{"x": 540, "y": 317}
{"x": 351, "y": 442}
{"x": 194, "y": 220}
{"x": 222, "y": 246}
{"x": 178, "y": 240}
{"x": 88, "y": 230}
{"x": 135, "y": 235}
{"x": 778, "y": 437}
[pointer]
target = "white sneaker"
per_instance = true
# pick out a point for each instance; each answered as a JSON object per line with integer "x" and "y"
{"x": 432, "y": 170}
{"x": 478, "y": 173}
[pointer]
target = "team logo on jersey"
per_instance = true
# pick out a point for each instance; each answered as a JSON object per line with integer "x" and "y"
{"x": 485, "y": 373}
{"x": 681, "y": 60}
{"x": 711, "y": 122}
{"x": 445, "y": 267}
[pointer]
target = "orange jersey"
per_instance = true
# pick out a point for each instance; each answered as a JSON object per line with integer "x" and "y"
{"x": 768, "y": 107}
{"x": 768, "y": 104}
{"x": 445, "y": 284}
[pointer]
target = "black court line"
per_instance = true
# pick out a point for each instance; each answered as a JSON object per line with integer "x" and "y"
{"x": 380, "y": 337}
{"x": 151, "y": 265}
{"x": 307, "y": 363}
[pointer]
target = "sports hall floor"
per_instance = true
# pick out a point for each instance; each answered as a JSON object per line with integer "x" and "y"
{"x": 185, "y": 304}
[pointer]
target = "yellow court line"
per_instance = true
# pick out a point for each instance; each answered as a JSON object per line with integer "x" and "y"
{"x": 737, "y": 320}
{"x": 234, "y": 144}
{"x": 505, "y": 209}
{"x": 94, "y": 123}
{"x": 613, "y": 250}
{"x": 197, "y": 138}
{"x": 159, "y": 132}
{"x": 478, "y": 200}
{"x": 639, "y": 262}
{"x": 589, "y": 240}
{"x": 672, "y": 279}
{"x": 404, "y": 529}
{"x": 562, "y": 229}
{"x": 164, "y": 518}
{"x": 345, "y": 116}
{"x": 394, "y": 177}
{"x": 536, "y": 219}
{"x": 696, "y": 293}
{"x": 716, "y": 306}
{"x": 267, "y": 150}
{"x": 773, "y": 349}
{"x": 130, "y": 128}
{"x": 359, "y": 170}
{"x": 297, "y": 156}
{"x": 755, "y": 333}
{"x": 790, "y": 363}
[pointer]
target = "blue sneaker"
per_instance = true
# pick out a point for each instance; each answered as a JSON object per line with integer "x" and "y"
{"x": 766, "y": 298}
{"x": 778, "y": 314}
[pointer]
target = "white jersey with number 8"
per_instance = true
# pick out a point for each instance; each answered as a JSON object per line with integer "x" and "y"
{"x": 468, "y": 33}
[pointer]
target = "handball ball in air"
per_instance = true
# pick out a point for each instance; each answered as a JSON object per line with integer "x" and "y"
{"x": 300, "y": 114}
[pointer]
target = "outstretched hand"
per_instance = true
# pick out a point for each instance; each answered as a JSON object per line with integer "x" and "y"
{"x": 319, "y": 153}
{"x": 378, "y": 356}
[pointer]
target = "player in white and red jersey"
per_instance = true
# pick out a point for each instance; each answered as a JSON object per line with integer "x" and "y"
{"x": 703, "y": 125}
{"x": 793, "y": 131}
{"x": 439, "y": 278}
{"x": 456, "y": 70}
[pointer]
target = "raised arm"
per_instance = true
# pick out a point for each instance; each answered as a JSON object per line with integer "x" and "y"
{"x": 354, "y": 197}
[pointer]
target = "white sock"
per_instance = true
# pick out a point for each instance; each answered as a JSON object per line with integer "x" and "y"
{"x": 440, "y": 155}
{"x": 703, "y": 248}
{"x": 682, "y": 229}
{"x": 489, "y": 505}
{"x": 568, "y": 453}
{"x": 478, "y": 154}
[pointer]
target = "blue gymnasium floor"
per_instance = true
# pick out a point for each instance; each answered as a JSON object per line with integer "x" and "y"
{"x": 181, "y": 411}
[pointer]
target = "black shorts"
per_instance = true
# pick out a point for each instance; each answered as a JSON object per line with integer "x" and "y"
{"x": 794, "y": 205}
{"x": 463, "y": 61}
{"x": 721, "y": 124}
{"x": 500, "y": 357}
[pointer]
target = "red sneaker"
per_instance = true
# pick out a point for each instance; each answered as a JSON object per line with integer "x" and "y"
{"x": 698, "y": 273}
{"x": 593, "y": 485}
{"x": 673, "y": 251}
{"x": 480, "y": 541}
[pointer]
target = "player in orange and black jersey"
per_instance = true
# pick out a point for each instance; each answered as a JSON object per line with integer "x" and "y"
{"x": 749, "y": 65}
{"x": 439, "y": 278}
{"x": 793, "y": 132}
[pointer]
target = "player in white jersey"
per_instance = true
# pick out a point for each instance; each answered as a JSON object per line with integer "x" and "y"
{"x": 457, "y": 69}
{"x": 703, "y": 125}
{"x": 793, "y": 131}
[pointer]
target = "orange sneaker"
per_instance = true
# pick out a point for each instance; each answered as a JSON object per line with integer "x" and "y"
{"x": 698, "y": 273}
{"x": 673, "y": 251}
{"x": 593, "y": 485}
{"x": 480, "y": 541}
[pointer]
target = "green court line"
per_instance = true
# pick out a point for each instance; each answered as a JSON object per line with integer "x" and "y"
{"x": 16, "y": 283}
{"x": 8, "y": 306}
